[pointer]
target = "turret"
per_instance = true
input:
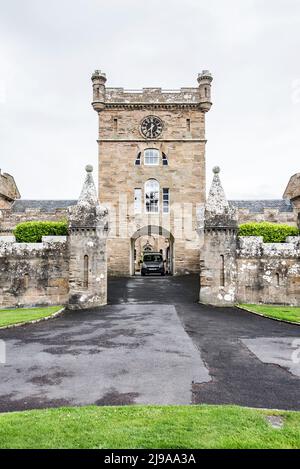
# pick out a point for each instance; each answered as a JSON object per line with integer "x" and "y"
{"x": 204, "y": 79}
{"x": 98, "y": 80}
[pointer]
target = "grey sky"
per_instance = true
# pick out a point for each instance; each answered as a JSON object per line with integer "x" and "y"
{"x": 48, "y": 51}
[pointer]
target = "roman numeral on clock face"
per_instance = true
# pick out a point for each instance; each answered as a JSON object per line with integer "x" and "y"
{"x": 151, "y": 127}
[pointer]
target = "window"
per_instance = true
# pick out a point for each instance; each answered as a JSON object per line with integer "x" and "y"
{"x": 152, "y": 196}
{"x": 188, "y": 125}
{"x": 222, "y": 271}
{"x": 151, "y": 157}
{"x": 86, "y": 272}
{"x": 166, "y": 200}
{"x": 137, "y": 200}
{"x": 164, "y": 160}
{"x": 115, "y": 124}
{"x": 138, "y": 159}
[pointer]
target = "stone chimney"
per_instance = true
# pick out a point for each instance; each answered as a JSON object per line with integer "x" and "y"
{"x": 88, "y": 229}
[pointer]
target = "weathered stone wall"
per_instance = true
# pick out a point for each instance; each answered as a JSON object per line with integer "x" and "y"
{"x": 34, "y": 273}
{"x": 268, "y": 272}
{"x": 244, "y": 269}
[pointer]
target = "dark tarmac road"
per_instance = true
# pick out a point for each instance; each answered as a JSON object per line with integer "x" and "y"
{"x": 152, "y": 344}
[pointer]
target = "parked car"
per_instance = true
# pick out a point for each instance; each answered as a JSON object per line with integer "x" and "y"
{"x": 153, "y": 263}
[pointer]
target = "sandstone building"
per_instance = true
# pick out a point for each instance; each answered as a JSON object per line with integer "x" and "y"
{"x": 152, "y": 179}
{"x": 152, "y": 170}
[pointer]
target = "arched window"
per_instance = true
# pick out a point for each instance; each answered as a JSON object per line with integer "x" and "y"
{"x": 138, "y": 159}
{"x": 152, "y": 196}
{"x": 165, "y": 160}
{"x": 151, "y": 157}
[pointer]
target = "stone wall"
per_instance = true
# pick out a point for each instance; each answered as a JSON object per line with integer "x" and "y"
{"x": 268, "y": 272}
{"x": 34, "y": 273}
{"x": 70, "y": 270}
{"x": 244, "y": 269}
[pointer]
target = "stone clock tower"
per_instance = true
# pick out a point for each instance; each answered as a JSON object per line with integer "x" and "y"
{"x": 152, "y": 171}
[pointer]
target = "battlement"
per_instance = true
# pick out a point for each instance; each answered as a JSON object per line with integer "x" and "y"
{"x": 153, "y": 95}
{"x": 106, "y": 97}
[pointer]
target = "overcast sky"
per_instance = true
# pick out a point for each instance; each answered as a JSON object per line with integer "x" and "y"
{"x": 48, "y": 51}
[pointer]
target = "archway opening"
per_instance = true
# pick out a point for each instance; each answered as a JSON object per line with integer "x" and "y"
{"x": 152, "y": 239}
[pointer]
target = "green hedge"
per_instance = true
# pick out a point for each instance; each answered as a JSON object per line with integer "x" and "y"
{"x": 271, "y": 232}
{"x": 32, "y": 231}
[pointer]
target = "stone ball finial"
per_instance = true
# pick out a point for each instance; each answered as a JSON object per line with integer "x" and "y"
{"x": 89, "y": 168}
{"x": 216, "y": 170}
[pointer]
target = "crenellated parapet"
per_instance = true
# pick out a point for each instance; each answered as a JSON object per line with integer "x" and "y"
{"x": 151, "y": 98}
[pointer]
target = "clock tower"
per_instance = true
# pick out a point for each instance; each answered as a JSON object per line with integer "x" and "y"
{"x": 152, "y": 172}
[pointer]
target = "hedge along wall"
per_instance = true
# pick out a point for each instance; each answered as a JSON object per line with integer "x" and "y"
{"x": 271, "y": 232}
{"x": 34, "y": 273}
{"x": 33, "y": 231}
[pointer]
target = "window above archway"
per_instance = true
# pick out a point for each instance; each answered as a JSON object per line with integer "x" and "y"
{"x": 151, "y": 157}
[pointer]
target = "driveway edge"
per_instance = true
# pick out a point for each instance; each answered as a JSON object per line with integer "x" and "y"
{"x": 34, "y": 321}
{"x": 267, "y": 317}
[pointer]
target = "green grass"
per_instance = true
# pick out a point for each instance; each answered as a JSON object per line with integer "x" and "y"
{"x": 148, "y": 427}
{"x": 288, "y": 313}
{"x": 19, "y": 315}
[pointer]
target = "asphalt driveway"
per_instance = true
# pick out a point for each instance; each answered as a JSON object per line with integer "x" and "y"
{"x": 153, "y": 344}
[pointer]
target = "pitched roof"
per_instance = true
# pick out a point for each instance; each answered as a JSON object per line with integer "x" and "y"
{"x": 258, "y": 206}
{"x": 43, "y": 205}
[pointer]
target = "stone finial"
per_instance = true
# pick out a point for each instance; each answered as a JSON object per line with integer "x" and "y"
{"x": 218, "y": 212}
{"x": 88, "y": 193}
{"x": 88, "y": 212}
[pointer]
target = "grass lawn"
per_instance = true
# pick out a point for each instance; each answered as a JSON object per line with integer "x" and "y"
{"x": 288, "y": 313}
{"x": 148, "y": 427}
{"x": 20, "y": 315}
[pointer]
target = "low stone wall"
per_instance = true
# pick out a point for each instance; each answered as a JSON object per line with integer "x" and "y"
{"x": 268, "y": 272}
{"x": 34, "y": 273}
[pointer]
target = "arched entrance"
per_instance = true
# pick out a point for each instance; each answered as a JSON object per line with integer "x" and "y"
{"x": 152, "y": 238}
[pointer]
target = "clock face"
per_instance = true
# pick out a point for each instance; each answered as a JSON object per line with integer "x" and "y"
{"x": 151, "y": 127}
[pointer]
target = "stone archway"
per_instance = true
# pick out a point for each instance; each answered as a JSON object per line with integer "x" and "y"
{"x": 153, "y": 232}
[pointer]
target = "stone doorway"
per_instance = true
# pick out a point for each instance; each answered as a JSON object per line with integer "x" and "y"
{"x": 155, "y": 239}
